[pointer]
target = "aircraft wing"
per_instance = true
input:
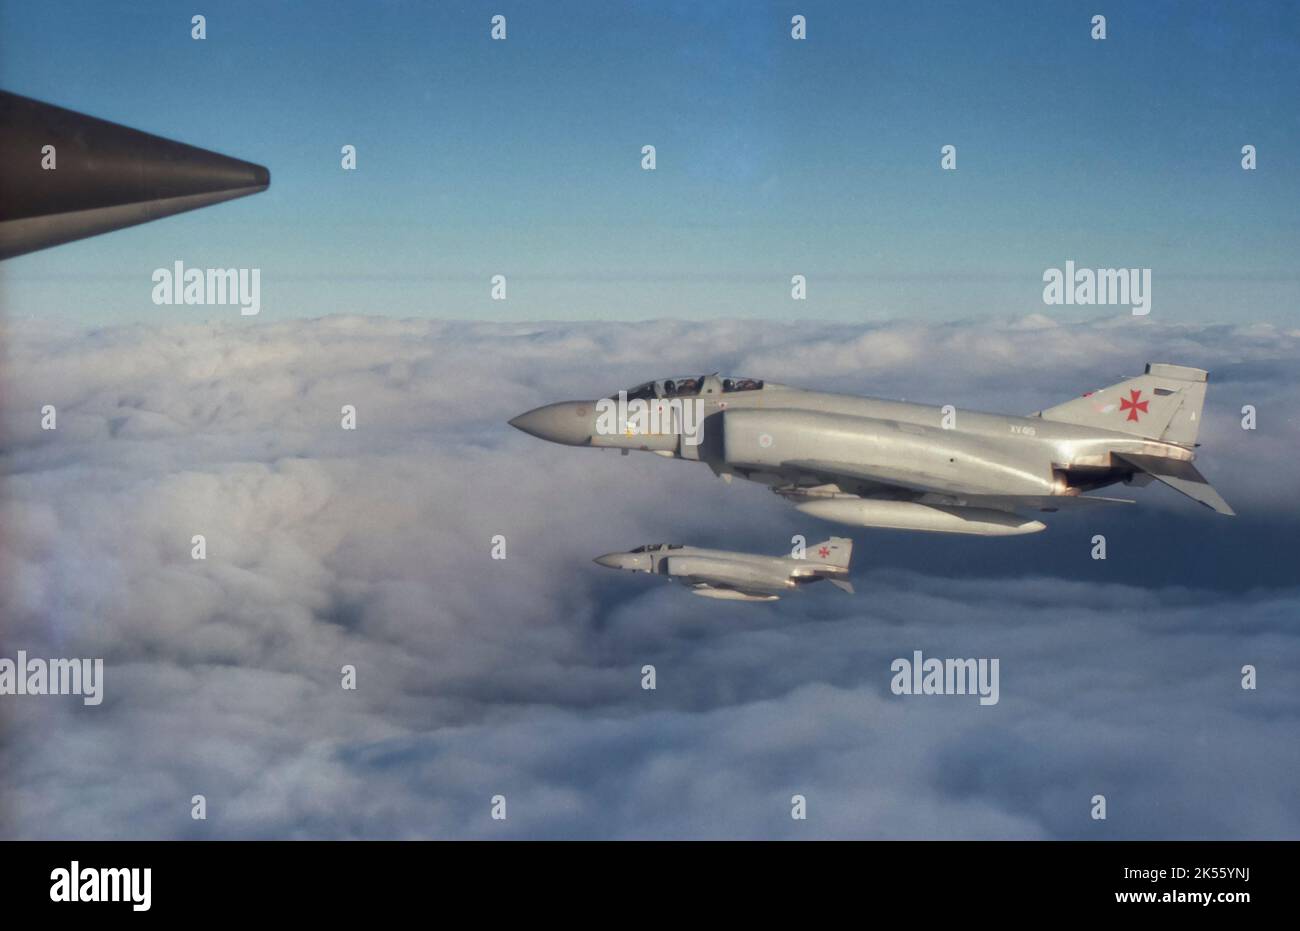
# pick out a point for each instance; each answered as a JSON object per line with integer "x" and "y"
{"x": 701, "y": 572}
{"x": 930, "y": 489}
{"x": 907, "y": 480}
{"x": 745, "y": 588}
{"x": 1036, "y": 502}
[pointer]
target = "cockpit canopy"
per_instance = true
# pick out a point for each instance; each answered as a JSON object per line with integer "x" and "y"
{"x": 656, "y": 547}
{"x": 691, "y": 386}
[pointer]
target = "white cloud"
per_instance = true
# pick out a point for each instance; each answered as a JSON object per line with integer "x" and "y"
{"x": 328, "y": 547}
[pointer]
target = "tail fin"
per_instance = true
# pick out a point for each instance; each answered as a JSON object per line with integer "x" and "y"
{"x": 837, "y": 551}
{"x": 1163, "y": 404}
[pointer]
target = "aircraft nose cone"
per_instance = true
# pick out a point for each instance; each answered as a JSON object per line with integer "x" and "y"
{"x": 260, "y": 175}
{"x": 610, "y": 560}
{"x": 569, "y": 422}
{"x": 109, "y": 176}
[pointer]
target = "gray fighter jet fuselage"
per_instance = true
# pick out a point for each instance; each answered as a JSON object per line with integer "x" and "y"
{"x": 879, "y": 463}
{"x": 739, "y": 576}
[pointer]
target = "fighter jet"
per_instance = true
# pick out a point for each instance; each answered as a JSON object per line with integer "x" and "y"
{"x": 877, "y": 463}
{"x": 66, "y": 176}
{"x": 739, "y": 576}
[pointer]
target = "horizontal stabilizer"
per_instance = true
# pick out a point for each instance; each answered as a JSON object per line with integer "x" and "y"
{"x": 1181, "y": 476}
{"x": 843, "y": 585}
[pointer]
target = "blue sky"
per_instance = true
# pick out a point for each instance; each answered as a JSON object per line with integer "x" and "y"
{"x": 522, "y": 676}
{"x": 775, "y": 157}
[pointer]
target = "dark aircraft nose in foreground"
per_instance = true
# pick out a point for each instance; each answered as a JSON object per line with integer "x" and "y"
{"x": 569, "y": 422}
{"x": 104, "y": 176}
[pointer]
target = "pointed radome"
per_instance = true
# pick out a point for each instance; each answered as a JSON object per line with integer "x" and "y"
{"x": 107, "y": 176}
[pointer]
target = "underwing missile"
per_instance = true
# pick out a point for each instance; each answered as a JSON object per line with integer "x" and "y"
{"x": 66, "y": 176}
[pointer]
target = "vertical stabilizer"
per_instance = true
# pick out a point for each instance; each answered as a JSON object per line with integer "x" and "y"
{"x": 1164, "y": 404}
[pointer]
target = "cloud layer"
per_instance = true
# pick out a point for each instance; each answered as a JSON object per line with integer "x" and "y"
{"x": 521, "y": 677}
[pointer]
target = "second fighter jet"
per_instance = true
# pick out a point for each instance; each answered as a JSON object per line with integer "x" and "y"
{"x": 739, "y": 576}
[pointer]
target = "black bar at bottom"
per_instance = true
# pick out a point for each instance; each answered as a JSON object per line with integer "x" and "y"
{"x": 373, "y": 878}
